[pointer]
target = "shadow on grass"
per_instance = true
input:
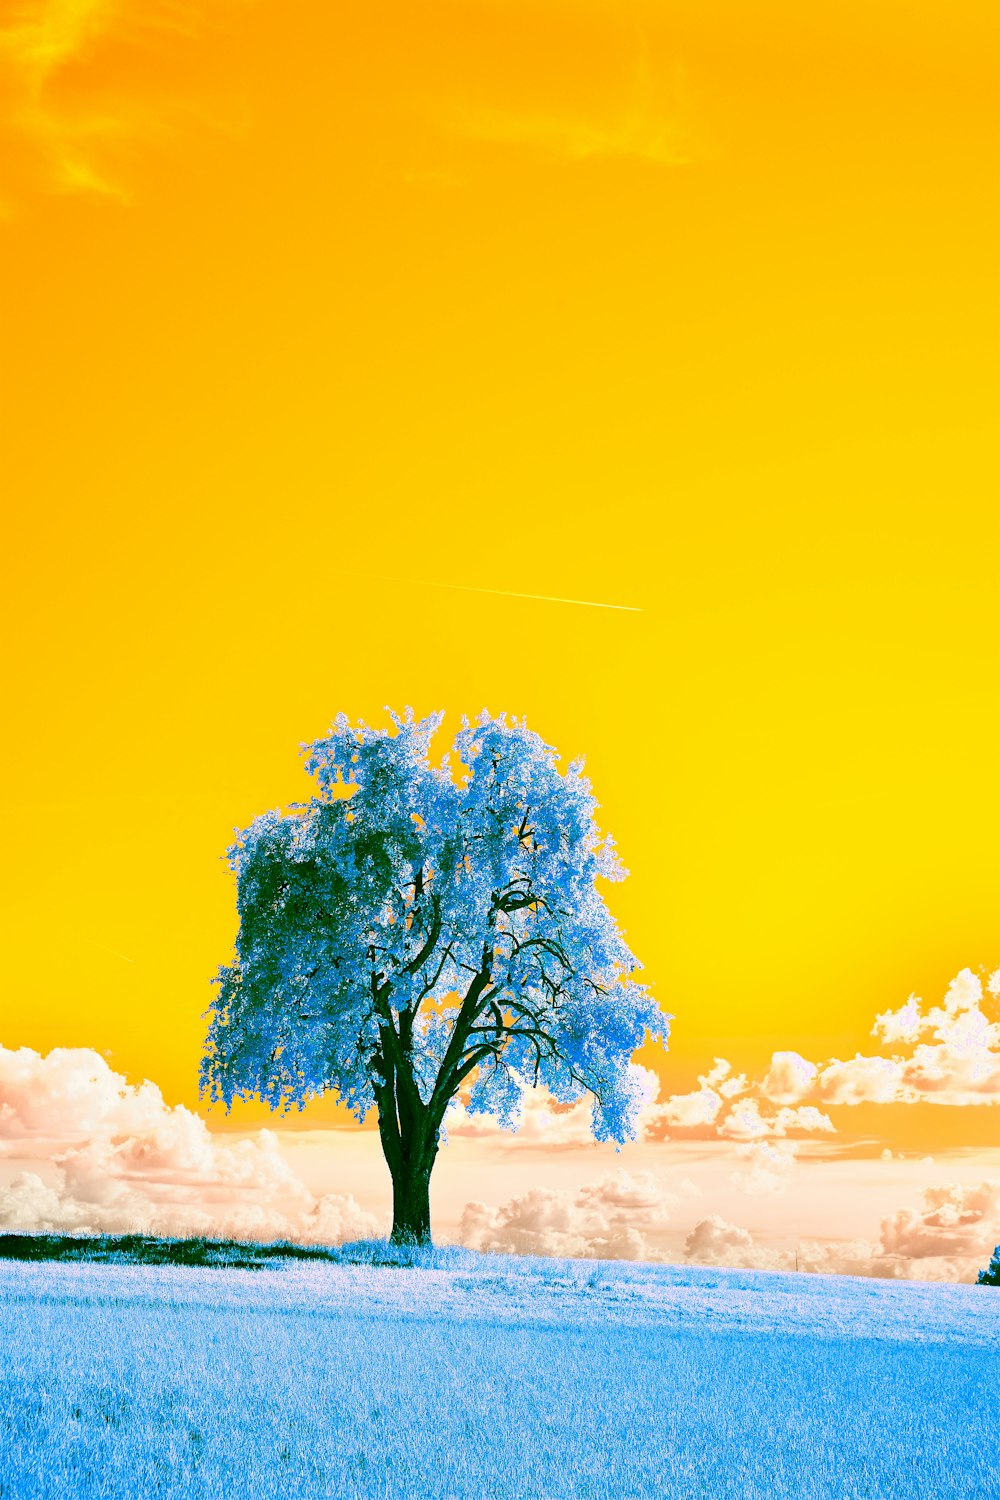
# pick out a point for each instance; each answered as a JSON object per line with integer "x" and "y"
{"x": 147, "y": 1250}
{"x": 150, "y": 1250}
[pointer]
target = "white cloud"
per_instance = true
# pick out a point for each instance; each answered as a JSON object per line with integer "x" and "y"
{"x": 770, "y": 1168}
{"x": 607, "y": 1219}
{"x": 861, "y": 1080}
{"x": 901, "y": 1025}
{"x": 789, "y": 1078}
{"x": 947, "y": 1054}
{"x": 721, "y": 1077}
{"x": 727, "y": 1106}
{"x": 950, "y": 1237}
{"x": 696, "y": 1111}
{"x": 127, "y": 1161}
{"x": 746, "y": 1122}
{"x": 958, "y": 1065}
{"x": 545, "y": 1122}
{"x": 956, "y": 1220}
{"x": 715, "y": 1242}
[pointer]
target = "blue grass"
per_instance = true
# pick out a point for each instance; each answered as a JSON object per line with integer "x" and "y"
{"x": 457, "y": 1375}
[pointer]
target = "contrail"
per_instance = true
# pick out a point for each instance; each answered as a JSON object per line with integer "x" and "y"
{"x": 468, "y": 588}
{"x": 104, "y": 948}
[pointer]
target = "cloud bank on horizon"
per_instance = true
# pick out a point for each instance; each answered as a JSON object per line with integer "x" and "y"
{"x": 125, "y": 1161}
{"x": 950, "y": 1237}
{"x": 119, "y": 1158}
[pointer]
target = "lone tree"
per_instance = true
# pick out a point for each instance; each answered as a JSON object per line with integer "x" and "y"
{"x": 408, "y": 931}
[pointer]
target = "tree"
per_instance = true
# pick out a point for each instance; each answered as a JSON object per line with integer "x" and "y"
{"x": 407, "y": 932}
{"x": 991, "y": 1276}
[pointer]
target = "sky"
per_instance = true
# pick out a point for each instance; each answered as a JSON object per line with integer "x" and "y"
{"x": 628, "y": 367}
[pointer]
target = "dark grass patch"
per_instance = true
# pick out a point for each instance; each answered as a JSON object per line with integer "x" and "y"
{"x": 148, "y": 1250}
{"x": 153, "y": 1250}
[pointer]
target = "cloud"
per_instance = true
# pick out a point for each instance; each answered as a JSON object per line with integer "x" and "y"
{"x": 862, "y": 1080}
{"x": 720, "y": 1108}
{"x": 715, "y": 1242}
{"x": 653, "y": 123}
{"x": 725, "y": 1106}
{"x": 771, "y": 1164}
{"x": 954, "y": 1059}
{"x": 947, "y": 1054}
{"x": 746, "y": 1122}
{"x": 545, "y": 1122}
{"x": 629, "y": 136}
{"x": 684, "y": 1111}
{"x": 608, "y": 1219}
{"x": 717, "y": 1109}
{"x": 788, "y": 1079}
{"x": 69, "y": 122}
{"x": 958, "y": 1063}
{"x": 955, "y": 1220}
{"x": 950, "y": 1237}
{"x": 126, "y": 1161}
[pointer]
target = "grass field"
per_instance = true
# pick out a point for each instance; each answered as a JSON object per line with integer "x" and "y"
{"x": 478, "y": 1376}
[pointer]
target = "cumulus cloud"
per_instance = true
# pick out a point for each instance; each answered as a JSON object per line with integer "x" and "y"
{"x": 608, "y": 1219}
{"x": 789, "y": 1078}
{"x": 698, "y": 1111}
{"x": 746, "y": 1122}
{"x": 949, "y": 1237}
{"x": 726, "y": 1106}
{"x": 862, "y": 1080}
{"x": 720, "y": 1108}
{"x": 945, "y": 1054}
{"x": 954, "y": 1053}
{"x": 125, "y": 1160}
{"x": 955, "y": 1220}
{"x": 715, "y": 1242}
{"x": 74, "y": 136}
{"x": 695, "y": 1111}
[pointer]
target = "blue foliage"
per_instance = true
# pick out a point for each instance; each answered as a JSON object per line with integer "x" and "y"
{"x": 991, "y": 1276}
{"x": 411, "y": 929}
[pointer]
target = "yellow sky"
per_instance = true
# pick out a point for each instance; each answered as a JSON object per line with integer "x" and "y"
{"x": 312, "y": 314}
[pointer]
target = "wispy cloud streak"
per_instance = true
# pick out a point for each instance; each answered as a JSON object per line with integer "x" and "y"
{"x": 59, "y": 139}
{"x": 653, "y": 122}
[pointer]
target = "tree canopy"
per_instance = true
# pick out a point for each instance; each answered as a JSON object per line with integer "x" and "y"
{"x": 409, "y": 931}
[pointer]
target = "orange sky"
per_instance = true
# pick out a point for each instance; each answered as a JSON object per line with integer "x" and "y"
{"x": 313, "y": 313}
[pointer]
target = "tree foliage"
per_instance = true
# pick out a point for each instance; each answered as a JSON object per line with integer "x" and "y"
{"x": 409, "y": 931}
{"x": 991, "y": 1276}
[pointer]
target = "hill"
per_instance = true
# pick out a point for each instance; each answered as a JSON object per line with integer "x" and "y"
{"x": 480, "y": 1376}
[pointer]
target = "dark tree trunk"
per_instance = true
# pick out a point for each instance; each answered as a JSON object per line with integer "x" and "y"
{"x": 411, "y": 1200}
{"x": 410, "y": 1150}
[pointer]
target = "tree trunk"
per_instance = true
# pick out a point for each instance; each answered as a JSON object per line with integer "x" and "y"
{"x": 411, "y": 1201}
